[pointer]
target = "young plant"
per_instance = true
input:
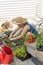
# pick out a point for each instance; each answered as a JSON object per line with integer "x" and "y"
{"x": 39, "y": 40}
{"x": 22, "y": 52}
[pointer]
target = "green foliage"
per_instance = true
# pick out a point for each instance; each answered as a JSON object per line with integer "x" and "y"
{"x": 39, "y": 40}
{"x": 1, "y": 38}
{"x": 20, "y": 52}
{"x": 20, "y": 41}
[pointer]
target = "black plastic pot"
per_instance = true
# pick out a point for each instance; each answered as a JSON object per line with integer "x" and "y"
{"x": 40, "y": 49}
{"x": 25, "y": 58}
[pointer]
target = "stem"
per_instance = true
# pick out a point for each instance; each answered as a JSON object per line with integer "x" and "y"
{"x": 25, "y": 39}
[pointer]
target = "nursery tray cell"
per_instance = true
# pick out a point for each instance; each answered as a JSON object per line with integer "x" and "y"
{"x": 27, "y": 57}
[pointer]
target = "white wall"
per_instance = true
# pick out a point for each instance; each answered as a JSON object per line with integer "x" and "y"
{"x": 38, "y": 11}
{"x": 12, "y": 8}
{"x": 41, "y": 8}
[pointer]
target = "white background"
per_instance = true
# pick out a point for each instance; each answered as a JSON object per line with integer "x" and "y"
{"x": 41, "y": 7}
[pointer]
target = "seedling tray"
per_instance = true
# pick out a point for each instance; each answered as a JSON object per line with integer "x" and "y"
{"x": 25, "y": 58}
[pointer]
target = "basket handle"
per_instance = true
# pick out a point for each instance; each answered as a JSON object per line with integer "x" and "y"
{"x": 1, "y": 49}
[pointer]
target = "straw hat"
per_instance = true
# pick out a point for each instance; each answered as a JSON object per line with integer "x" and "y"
{"x": 19, "y": 20}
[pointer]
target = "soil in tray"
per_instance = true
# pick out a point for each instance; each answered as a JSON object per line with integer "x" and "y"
{"x": 40, "y": 49}
{"x": 27, "y": 57}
